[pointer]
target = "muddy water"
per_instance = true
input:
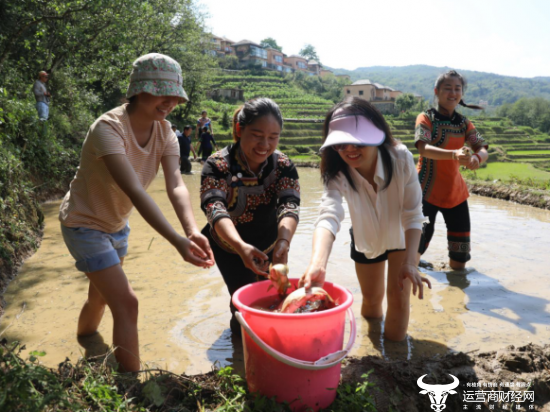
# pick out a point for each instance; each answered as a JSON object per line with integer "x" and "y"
{"x": 184, "y": 317}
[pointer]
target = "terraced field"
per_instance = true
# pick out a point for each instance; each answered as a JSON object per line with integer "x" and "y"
{"x": 298, "y": 139}
{"x": 512, "y": 171}
{"x": 514, "y": 151}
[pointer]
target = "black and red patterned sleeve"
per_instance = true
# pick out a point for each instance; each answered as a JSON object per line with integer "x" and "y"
{"x": 214, "y": 189}
{"x": 288, "y": 189}
{"x": 423, "y": 129}
{"x": 474, "y": 138}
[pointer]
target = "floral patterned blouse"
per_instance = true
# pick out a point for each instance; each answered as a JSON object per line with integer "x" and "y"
{"x": 255, "y": 203}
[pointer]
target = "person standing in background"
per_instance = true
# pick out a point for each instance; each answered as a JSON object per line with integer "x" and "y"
{"x": 185, "y": 148}
{"x": 42, "y": 96}
{"x": 203, "y": 122}
{"x": 440, "y": 135}
{"x": 206, "y": 144}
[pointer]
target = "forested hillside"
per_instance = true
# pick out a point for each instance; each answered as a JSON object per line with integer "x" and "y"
{"x": 87, "y": 47}
{"x": 494, "y": 88}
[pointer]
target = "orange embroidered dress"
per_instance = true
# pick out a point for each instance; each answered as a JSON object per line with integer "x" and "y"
{"x": 441, "y": 181}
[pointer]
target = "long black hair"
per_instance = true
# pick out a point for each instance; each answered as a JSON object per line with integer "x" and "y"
{"x": 453, "y": 73}
{"x": 332, "y": 163}
{"x": 253, "y": 110}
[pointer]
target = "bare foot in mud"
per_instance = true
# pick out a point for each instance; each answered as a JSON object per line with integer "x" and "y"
{"x": 93, "y": 344}
{"x": 375, "y": 333}
{"x": 444, "y": 267}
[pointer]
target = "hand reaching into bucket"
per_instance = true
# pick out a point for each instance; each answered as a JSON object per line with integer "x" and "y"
{"x": 202, "y": 242}
{"x": 317, "y": 269}
{"x": 280, "y": 252}
{"x": 254, "y": 259}
{"x": 313, "y": 276}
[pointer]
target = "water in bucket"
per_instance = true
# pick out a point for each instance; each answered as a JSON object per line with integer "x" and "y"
{"x": 294, "y": 357}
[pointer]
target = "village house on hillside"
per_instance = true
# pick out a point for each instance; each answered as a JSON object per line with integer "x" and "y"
{"x": 249, "y": 52}
{"x": 383, "y": 97}
{"x": 222, "y": 46}
{"x": 253, "y": 54}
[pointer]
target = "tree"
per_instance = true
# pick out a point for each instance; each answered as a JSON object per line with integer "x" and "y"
{"x": 533, "y": 112}
{"x": 94, "y": 43}
{"x": 309, "y": 53}
{"x": 228, "y": 62}
{"x": 405, "y": 102}
{"x": 225, "y": 120}
{"x": 422, "y": 104}
{"x": 270, "y": 42}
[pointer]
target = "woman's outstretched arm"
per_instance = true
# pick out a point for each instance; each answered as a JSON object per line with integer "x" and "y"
{"x": 125, "y": 177}
{"x": 179, "y": 197}
{"x": 317, "y": 268}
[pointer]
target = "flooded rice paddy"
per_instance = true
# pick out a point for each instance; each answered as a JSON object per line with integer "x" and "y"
{"x": 184, "y": 315}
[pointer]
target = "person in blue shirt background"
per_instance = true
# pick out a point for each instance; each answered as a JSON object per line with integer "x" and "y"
{"x": 206, "y": 140}
{"x": 204, "y": 121}
{"x": 184, "y": 140}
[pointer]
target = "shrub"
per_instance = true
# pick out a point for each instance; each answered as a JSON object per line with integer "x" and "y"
{"x": 225, "y": 120}
{"x": 35, "y": 158}
{"x": 303, "y": 149}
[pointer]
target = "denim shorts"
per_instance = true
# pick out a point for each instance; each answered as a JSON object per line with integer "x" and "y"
{"x": 93, "y": 249}
{"x": 43, "y": 110}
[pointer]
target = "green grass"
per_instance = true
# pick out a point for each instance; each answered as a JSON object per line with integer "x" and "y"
{"x": 529, "y": 152}
{"x": 96, "y": 386}
{"x": 305, "y": 158}
{"x": 511, "y": 171}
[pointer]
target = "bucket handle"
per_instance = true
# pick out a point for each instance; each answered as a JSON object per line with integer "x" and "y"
{"x": 325, "y": 362}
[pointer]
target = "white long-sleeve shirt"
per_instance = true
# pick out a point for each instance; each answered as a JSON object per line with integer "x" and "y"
{"x": 379, "y": 220}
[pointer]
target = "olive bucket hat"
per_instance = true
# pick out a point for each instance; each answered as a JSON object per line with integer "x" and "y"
{"x": 156, "y": 74}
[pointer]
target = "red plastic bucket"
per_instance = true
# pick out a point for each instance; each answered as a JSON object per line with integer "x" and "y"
{"x": 294, "y": 357}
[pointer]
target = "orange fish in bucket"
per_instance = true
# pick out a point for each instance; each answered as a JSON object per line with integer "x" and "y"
{"x": 278, "y": 275}
{"x": 302, "y": 301}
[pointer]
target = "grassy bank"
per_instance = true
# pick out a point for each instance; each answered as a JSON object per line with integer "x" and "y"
{"x": 93, "y": 385}
{"x": 368, "y": 384}
{"x": 37, "y": 162}
{"x": 509, "y": 172}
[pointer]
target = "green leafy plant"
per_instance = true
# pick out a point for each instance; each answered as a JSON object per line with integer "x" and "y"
{"x": 225, "y": 120}
{"x": 27, "y": 386}
{"x": 356, "y": 398}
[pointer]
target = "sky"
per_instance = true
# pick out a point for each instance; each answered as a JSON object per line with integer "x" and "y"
{"x": 508, "y": 37}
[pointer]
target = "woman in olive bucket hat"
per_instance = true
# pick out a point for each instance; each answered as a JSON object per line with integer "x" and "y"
{"x": 120, "y": 158}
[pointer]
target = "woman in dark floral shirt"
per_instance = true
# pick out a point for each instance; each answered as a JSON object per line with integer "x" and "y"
{"x": 251, "y": 197}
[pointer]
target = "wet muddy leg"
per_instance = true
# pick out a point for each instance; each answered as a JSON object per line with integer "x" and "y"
{"x": 113, "y": 285}
{"x": 397, "y": 316}
{"x": 371, "y": 280}
{"x": 91, "y": 313}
